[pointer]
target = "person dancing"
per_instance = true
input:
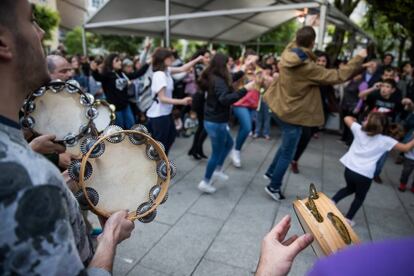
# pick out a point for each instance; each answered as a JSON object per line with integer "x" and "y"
{"x": 216, "y": 80}
{"x": 295, "y": 100}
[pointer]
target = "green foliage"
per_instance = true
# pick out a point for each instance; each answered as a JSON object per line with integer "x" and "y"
{"x": 73, "y": 41}
{"x": 401, "y": 12}
{"x": 397, "y": 11}
{"x": 279, "y": 37}
{"x": 119, "y": 44}
{"x": 111, "y": 43}
{"x": 336, "y": 48}
{"x": 47, "y": 19}
{"x": 386, "y": 33}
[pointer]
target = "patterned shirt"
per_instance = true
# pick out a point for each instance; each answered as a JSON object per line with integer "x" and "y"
{"x": 42, "y": 231}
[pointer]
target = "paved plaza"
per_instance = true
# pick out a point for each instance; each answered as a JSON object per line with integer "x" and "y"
{"x": 220, "y": 234}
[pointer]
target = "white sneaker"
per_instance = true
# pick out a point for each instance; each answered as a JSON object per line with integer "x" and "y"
{"x": 351, "y": 222}
{"x": 206, "y": 187}
{"x": 235, "y": 158}
{"x": 219, "y": 175}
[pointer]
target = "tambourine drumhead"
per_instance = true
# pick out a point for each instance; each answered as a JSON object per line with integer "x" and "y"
{"x": 59, "y": 114}
{"x": 106, "y": 115}
{"x": 122, "y": 175}
{"x": 328, "y": 238}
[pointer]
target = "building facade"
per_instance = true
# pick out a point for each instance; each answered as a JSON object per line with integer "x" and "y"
{"x": 72, "y": 13}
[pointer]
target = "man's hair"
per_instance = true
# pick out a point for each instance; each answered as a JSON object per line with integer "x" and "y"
{"x": 51, "y": 65}
{"x": 389, "y": 69}
{"x": 405, "y": 63}
{"x": 391, "y": 82}
{"x": 7, "y": 12}
{"x": 389, "y": 55}
{"x": 305, "y": 37}
{"x": 250, "y": 52}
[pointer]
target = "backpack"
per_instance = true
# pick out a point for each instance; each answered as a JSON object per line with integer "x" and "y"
{"x": 145, "y": 98}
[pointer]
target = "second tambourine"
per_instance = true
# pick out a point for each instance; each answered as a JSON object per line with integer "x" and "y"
{"x": 123, "y": 170}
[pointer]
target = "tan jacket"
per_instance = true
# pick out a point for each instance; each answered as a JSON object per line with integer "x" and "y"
{"x": 295, "y": 96}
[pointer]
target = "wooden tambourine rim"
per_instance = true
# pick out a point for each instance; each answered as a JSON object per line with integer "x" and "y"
{"x": 164, "y": 185}
{"x": 47, "y": 88}
{"x": 322, "y": 242}
{"x": 111, "y": 107}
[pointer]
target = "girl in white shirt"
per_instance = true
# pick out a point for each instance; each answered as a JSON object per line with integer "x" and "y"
{"x": 160, "y": 120}
{"x": 368, "y": 146}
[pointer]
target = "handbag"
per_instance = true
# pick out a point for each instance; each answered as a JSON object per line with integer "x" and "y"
{"x": 250, "y": 100}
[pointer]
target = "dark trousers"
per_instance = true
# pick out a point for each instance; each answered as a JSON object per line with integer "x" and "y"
{"x": 305, "y": 138}
{"x": 163, "y": 129}
{"x": 408, "y": 168}
{"x": 199, "y": 138}
{"x": 355, "y": 183}
{"x": 347, "y": 135}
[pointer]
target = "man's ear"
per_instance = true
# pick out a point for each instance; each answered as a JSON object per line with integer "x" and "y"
{"x": 6, "y": 42}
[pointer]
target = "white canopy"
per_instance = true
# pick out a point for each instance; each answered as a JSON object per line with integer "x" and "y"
{"x": 229, "y": 21}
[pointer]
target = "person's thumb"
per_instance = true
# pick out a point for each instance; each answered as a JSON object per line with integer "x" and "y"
{"x": 299, "y": 244}
{"x": 49, "y": 137}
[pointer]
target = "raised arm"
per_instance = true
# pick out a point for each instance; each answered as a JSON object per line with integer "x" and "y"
{"x": 349, "y": 121}
{"x": 365, "y": 93}
{"x": 404, "y": 147}
{"x": 186, "y": 67}
{"x": 322, "y": 76}
{"x": 139, "y": 73}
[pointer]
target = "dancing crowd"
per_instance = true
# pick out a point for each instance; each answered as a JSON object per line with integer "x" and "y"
{"x": 43, "y": 231}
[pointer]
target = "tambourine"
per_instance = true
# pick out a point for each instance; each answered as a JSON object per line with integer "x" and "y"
{"x": 105, "y": 116}
{"x": 319, "y": 216}
{"x": 123, "y": 170}
{"x": 62, "y": 109}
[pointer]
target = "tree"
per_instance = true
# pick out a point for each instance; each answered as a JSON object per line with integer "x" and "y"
{"x": 279, "y": 37}
{"x": 119, "y": 44}
{"x": 387, "y": 34}
{"x": 111, "y": 43}
{"x": 335, "y": 47}
{"x": 273, "y": 41}
{"x": 73, "y": 41}
{"x": 47, "y": 19}
{"x": 398, "y": 11}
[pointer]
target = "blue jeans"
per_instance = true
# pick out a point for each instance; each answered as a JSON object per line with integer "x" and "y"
{"x": 221, "y": 143}
{"x": 244, "y": 116}
{"x": 125, "y": 118}
{"x": 263, "y": 120}
{"x": 290, "y": 138}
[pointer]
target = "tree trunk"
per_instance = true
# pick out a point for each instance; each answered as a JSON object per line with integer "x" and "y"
{"x": 410, "y": 51}
{"x": 334, "y": 48}
{"x": 401, "y": 48}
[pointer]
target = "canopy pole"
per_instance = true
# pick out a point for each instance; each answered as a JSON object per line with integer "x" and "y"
{"x": 322, "y": 24}
{"x": 84, "y": 45}
{"x": 258, "y": 46}
{"x": 167, "y": 23}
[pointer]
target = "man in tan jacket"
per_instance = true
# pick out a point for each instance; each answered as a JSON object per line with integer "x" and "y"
{"x": 295, "y": 99}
